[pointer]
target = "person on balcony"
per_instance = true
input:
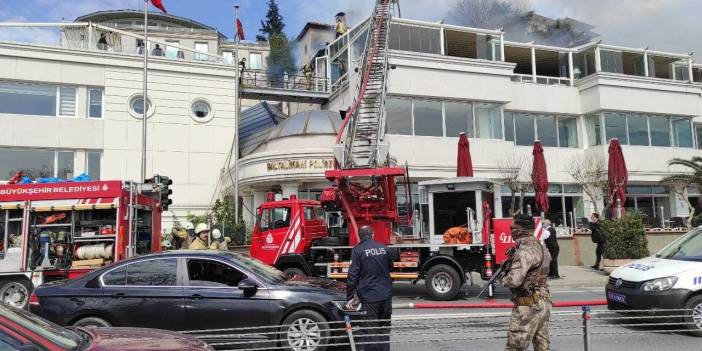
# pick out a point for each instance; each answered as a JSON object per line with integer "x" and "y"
{"x": 242, "y": 69}
{"x": 102, "y": 42}
{"x": 340, "y": 26}
{"x": 307, "y": 70}
{"x": 157, "y": 51}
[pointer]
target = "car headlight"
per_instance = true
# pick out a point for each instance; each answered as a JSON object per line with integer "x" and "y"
{"x": 661, "y": 284}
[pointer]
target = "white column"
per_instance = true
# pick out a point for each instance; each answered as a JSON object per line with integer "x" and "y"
{"x": 646, "y": 63}
{"x": 533, "y": 63}
{"x": 259, "y": 197}
{"x": 571, "y": 74}
{"x": 442, "y": 39}
{"x": 290, "y": 189}
{"x": 502, "y": 46}
{"x": 598, "y": 62}
{"x": 497, "y": 196}
{"x": 689, "y": 69}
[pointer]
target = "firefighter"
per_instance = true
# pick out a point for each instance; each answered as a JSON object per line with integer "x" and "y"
{"x": 340, "y": 27}
{"x": 219, "y": 242}
{"x": 369, "y": 282}
{"x": 307, "y": 70}
{"x": 526, "y": 280}
{"x": 202, "y": 232}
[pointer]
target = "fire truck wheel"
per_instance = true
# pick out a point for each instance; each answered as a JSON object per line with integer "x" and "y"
{"x": 92, "y": 322}
{"x": 305, "y": 330}
{"x": 293, "y": 271}
{"x": 443, "y": 282}
{"x": 694, "y": 319}
{"x": 15, "y": 292}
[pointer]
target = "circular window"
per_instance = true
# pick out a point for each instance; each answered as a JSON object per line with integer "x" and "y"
{"x": 136, "y": 106}
{"x": 201, "y": 110}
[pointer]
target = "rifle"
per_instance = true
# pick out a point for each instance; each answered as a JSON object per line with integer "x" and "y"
{"x": 502, "y": 271}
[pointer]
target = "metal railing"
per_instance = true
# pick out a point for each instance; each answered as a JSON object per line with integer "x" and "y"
{"x": 263, "y": 79}
{"x": 576, "y": 327}
{"x": 528, "y": 78}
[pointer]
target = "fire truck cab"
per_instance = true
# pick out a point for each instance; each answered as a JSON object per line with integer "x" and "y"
{"x": 62, "y": 230}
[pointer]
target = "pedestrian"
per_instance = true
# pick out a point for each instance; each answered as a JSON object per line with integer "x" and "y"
{"x": 551, "y": 241}
{"x": 102, "y": 42}
{"x": 526, "y": 280}
{"x": 140, "y": 48}
{"x": 157, "y": 51}
{"x": 202, "y": 232}
{"x": 598, "y": 237}
{"x": 219, "y": 242}
{"x": 369, "y": 280}
{"x": 340, "y": 26}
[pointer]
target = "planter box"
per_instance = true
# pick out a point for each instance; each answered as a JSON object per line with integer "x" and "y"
{"x": 610, "y": 265}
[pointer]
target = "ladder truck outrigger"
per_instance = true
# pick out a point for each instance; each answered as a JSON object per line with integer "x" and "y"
{"x": 316, "y": 237}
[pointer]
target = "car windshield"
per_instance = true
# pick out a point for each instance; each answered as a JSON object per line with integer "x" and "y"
{"x": 64, "y": 338}
{"x": 259, "y": 268}
{"x": 686, "y": 248}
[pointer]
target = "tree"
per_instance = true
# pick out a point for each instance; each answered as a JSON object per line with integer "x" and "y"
{"x": 273, "y": 24}
{"x": 515, "y": 174}
{"x": 679, "y": 182}
{"x": 590, "y": 172}
{"x": 280, "y": 59}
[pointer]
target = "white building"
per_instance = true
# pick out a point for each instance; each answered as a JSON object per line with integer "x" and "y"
{"x": 446, "y": 79}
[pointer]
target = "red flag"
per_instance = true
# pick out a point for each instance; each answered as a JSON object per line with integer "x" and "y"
{"x": 239, "y": 29}
{"x": 159, "y": 5}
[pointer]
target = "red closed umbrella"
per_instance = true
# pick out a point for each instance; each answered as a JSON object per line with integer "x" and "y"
{"x": 464, "y": 164}
{"x": 617, "y": 175}
{"x": 539, "y": 177}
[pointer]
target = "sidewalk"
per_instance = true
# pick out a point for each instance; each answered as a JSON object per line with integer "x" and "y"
{"x": 579, "y": 277}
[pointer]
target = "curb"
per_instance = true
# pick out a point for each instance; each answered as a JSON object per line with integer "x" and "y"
{"x": 489, "y": 304}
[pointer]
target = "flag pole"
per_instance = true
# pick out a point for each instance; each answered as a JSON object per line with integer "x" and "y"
{"x": 237, "y": 108}
{"x": 144, "y": 96}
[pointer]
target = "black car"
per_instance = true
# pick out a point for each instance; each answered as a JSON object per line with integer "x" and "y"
{"x": 195, "y": 290}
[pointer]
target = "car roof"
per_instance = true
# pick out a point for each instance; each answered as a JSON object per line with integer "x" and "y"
{"x": 185, "y": 253}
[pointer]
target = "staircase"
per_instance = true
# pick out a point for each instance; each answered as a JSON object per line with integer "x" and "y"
{"x": 366, "y": 122}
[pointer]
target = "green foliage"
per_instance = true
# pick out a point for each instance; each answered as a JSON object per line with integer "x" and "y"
{"x": 626, "y": 237}
{"x": 273, "y": 25}
{"x": 280, "y": 59}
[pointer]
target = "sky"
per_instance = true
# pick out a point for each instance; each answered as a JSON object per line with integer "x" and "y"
{"x": 664, "y": 25}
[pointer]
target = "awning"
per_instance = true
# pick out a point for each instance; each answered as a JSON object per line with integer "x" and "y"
{"x": 103, "y": 203}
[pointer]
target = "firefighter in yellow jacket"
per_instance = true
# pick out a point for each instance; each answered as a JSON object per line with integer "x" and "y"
{"x": 218, "y": 241}
{"x": 202, "y": 233}
{"x": 526, "y": 280}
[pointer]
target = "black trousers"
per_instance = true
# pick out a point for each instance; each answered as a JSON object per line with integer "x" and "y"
{"x": 598, "y": 254}
{"x": 378, "y": 331}
{"x": 553, "y": 267}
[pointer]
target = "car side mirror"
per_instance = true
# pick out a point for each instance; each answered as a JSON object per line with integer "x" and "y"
{"x": 248, "y": 286}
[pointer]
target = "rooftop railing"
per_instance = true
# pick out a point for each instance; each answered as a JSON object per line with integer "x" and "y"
{"x": 263, "y": 79}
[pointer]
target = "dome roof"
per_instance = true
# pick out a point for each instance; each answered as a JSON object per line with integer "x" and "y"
{"x": 311, "y": 122}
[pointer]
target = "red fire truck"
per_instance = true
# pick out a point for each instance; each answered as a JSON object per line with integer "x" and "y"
{"x": 62, "y": 230}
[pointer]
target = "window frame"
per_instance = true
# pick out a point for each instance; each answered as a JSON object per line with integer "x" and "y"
{"x": 54, "y": 157}
{"x": 151, "y": 108}
{"x": 178, "y": 284}
{"x": 185, "y": 276}
{"x": 59, "y": 96}
{"x": 211, "y": 111}
{"x": 251, "y": 54}
{"x": 102, "y": 102}
{"x": 87, "y": 163}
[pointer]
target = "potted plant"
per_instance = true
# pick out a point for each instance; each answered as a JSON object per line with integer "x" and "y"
{"x": 626, "y": 241}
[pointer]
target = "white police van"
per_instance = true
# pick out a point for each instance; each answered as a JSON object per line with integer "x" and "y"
{"x": 672, "y": 279}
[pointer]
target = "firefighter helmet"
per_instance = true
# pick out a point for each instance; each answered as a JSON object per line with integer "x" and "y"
{"x": 202, "y": 227}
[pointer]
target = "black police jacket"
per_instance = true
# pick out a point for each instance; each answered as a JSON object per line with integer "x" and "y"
{"x": 369, "y": 273}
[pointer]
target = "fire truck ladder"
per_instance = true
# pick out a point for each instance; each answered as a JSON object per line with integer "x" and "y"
{"x": 363, "y": 145}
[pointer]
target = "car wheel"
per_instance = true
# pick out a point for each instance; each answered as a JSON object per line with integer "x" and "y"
{"x": 305, "y": 330}
{"x": 92, "y": 322}
{"x": 443, "y": 282}
{"x": 15, "y": 293}
{"x": 694, "y": 318}
{"x": 293, "y": 271}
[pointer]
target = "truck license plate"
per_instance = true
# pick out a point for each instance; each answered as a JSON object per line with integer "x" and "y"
{"x": 616, "y": 297}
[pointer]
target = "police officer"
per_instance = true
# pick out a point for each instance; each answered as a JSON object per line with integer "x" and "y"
{"x": 369, "y": 280}
{"x": 527, "y": 282}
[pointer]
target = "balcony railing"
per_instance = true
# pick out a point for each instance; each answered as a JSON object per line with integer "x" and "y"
{"x": 263, "y": 79}
{"x": 528, "y": 78}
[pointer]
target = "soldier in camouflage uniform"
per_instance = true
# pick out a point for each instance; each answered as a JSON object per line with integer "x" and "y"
{"x": 527, "y": 281}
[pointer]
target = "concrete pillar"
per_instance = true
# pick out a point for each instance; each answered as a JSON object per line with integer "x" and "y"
{"x": 502, "y": 46}
{"x": 645, "y": 63}
{"x": 259, "y": 197}
{"x": 290, "y": 189}
{"x": 678, "y": 205}
{"x": 533, "y": 63}
{"x": 689, "y": 69}
{"x": 497, "y": 195}
{"x": 442, "y": 40}
{"x": 571, "y": 74}
{"x": 598, "y": 61}
{"x": 249, "y": 211}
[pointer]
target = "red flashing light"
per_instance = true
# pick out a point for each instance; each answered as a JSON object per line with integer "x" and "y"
{"x": 34, "y": 300}
{"x": 271, "y": 196}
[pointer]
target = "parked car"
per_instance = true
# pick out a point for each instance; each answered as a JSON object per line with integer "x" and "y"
{"x": 196, "y": 290}
{"x": 20, "y": 330}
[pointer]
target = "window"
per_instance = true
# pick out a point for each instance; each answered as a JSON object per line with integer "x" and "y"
{"x": 64, "y": 165}
{"x": 546, "y": 130}
{"x": 427, "y": 118}
{"x": 33, "y": 163}
{"x": 509, "y": 126}
{"x": 92, "y": 164}
{"x": 568, "y": 132}
{"x": 228, "y": 57}
{"x": 611, "y": 61}
{"x": 67, "y": 101}
{"x": 206, "y": 273}
{"x": 201, "y": 111}
{"x": 638, "y": 129}
{"x": 698, "y": 134}
{"x": 136, "y": 106}
{"x": 172, "y": 51}
{"x": 280, "y": 217}
{"x": 682, "y": 132}
{"x": 28, "y": 99}
{"x": 615, "y": 127}
{"x": 524, "y": 129}
{"x": 660, "y": 130}
{"x": 95, "y": 96}
{"x": 459, "y": 119}
{"x": 309, "y": 213}
{"x": 160, "y": 272}
{"x": 204, "y": 48}
{"x": 115, "y": 277}
{"x": 264, "y": 219}
{"x": 594, "y": 129}
{"x": 413, "y": 38}
{"x": 488, "y": 121}
{"x": 255, "y": 60}
{"x": 398, "y": 116}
